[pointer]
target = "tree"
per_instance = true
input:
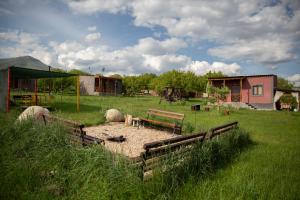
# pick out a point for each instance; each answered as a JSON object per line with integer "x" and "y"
{"x": 284, "y": 84}
{"x": 219, "y": 93}
{"x": 57, "y": 84}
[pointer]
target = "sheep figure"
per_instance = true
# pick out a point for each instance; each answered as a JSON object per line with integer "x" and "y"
{"x": 35, "y": 112}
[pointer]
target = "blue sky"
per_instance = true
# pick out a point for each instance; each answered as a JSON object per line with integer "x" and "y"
{"x": 138, "y": 36}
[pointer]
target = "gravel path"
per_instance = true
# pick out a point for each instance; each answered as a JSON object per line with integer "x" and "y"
{"x": 135, "y": 137}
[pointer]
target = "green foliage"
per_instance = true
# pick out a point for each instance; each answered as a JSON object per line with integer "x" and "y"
{"x": 188, "y": 81}
{"x": 188, "y": 128}
{"x": 134, "y": 84}
{"x": 289, "y": 99}
{"x": 219, "y": 93}
{"x": 55, "y": 85}
{"x": 284, "y": 84}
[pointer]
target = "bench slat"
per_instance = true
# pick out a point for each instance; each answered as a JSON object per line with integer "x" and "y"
{"x": 159, "y": 122}
{"x": 179, "y": 115}
{"x": 165, "y": 115}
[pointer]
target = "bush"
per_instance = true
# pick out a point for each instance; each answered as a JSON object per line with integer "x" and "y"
{"x": 188, "y": 128}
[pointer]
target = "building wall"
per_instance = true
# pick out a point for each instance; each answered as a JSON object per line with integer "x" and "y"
{"x": 267, "y": 82}
{"x": 87, "y": 85}
{"x": 106, "y": 86}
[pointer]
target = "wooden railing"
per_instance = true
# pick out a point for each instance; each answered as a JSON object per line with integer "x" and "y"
{"x": 156, "y": 152}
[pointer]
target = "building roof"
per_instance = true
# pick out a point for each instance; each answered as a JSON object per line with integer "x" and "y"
{"x": 108, "y": 78}
{"x": 287, "y": 90}
{"x": 238, "y": 77}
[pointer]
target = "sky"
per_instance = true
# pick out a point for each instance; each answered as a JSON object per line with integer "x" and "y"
{"x": 131, "y": 37}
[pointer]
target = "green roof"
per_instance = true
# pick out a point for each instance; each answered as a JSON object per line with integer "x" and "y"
{"x": 27, "y": 67}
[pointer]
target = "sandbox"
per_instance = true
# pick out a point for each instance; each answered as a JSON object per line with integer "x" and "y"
{"x": 135, "y": 137}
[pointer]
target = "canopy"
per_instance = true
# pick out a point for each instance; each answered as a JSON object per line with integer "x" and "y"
{"x": 25, "y": 73}
{"x": 25, "y": 67}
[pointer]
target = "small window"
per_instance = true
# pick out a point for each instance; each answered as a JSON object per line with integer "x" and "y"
{"x": 257, "y": 90}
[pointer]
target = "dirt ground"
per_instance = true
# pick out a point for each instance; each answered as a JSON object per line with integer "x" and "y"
{"x": 135, "y": 137}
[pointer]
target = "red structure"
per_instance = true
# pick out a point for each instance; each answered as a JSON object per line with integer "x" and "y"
{"x": 256, "y": 90}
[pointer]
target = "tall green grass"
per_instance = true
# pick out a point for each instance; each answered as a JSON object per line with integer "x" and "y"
{"x": 38, "y": 162}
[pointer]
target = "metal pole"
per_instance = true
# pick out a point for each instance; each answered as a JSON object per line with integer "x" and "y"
{"x": 35, "y": 91}
{"x": 78, "y": 94}
{"x": 8, "y": 90}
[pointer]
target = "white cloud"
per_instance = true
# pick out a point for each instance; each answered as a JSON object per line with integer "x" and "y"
{"x": 92, "y": 37}
{"x": 155, "y": 47}
{"x": 148, "y": 55}
{"x": 267, "y": 51}
{"x": 294, "y": 79}
{"x": 92, "y": 28}
{"x": 25, "y": 44}
{"x": 91, "y": 6}
{"x": 9, "y": 36}
{"x": 252, "y": 30}
{"x": 202, "y": 67}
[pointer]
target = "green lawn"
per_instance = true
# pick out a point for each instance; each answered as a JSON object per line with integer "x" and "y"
{"x": 269, "y": 169}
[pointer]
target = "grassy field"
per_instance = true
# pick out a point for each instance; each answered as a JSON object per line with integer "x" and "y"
{"x": 269, "y": 169}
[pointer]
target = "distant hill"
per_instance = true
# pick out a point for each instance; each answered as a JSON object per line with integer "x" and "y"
{"x": 24, "y": 62}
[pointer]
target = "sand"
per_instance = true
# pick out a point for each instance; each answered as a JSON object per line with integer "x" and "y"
{"x": 135, "y": 137}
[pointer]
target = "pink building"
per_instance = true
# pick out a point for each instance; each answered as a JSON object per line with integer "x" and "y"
{"x": 257, "y": 91}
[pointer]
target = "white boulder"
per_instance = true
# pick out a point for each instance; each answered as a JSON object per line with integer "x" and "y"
{"x": 114, "y": 115}
{"x": 35, "y": 112}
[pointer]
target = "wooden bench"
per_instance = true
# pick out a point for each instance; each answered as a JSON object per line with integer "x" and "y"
{"x": 222, "y": 129}
{"x": 75, "y": 131}
{"x": 177, "y": 117}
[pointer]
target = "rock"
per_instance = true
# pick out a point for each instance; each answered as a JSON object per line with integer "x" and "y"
{"x": 35, "y": 112}
{"x": 114, "y": 115}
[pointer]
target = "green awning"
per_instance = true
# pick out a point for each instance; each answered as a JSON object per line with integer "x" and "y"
{"x": 25, "y": 73}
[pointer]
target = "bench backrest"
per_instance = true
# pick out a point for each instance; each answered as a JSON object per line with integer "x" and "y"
{"x": 167, "y": 114}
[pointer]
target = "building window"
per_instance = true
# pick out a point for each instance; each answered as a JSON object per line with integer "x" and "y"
{"x": 257, "y": 90}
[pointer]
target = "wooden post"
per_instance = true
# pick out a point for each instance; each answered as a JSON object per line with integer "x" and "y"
{"x": 35, "y": 91}
{"x": 8, "y": 90}
{"x": 224, "y": 83}
{"x": 78, "y": 94}
{"x": 241, "y": 88}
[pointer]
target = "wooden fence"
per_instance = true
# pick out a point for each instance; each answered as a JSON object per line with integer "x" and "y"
{"x": 74, "y": 130}
{"x": 156, "y": 152}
